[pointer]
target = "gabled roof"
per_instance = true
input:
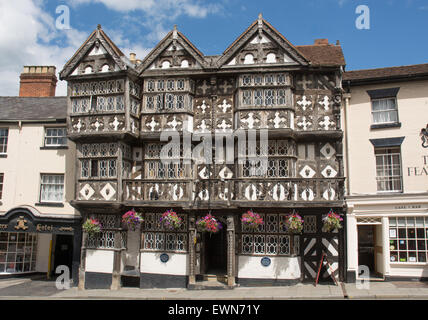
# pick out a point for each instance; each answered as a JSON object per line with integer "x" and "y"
{"x": 174, "y": 36}
{"x": 323, "y": 55}
{"x": 98, "y": 36}
{"x": 261, "y": 25}
{"x": 401, "y": 72}
{"x": 34, "y": 108}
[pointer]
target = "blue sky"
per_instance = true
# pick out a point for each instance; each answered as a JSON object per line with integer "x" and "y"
{"x": 28, "y": 34}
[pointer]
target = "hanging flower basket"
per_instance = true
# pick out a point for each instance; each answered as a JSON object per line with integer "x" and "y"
{"x": 92, "y": 226}
{"x": 132, "y": 219}
{"x": 208, "y": 224}
{"x": 251, "y": 220}
{"x": 331, "y": 222}
{"x": 294, "y": 223}
{"x": 170, "y": 220}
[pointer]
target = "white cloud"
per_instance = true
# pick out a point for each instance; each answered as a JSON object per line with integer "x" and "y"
{"x": 27, "y": 37}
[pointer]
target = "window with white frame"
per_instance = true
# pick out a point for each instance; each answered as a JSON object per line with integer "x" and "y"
{"x": 384, "y": 110}
{"x": 4, "y": 133}
{"x": 55, "y": 137}
{"x": 52, "y": 188}
{"x": 388, "y": 169}
{"x": 408, "y": 239}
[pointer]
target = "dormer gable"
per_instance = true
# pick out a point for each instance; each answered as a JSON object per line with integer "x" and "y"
{"x": 174, "y": 51}
{"x": 98, "y": 54}
{"x": 261, "y": 44}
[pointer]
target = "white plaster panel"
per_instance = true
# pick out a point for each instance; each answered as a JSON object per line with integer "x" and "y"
{"x": 43, "y": 245}
{"x": 99, "y": 261}
{"x": 280, "y": 268}
{"x": 416, "y": 271}
{"x": 176, "y": 265}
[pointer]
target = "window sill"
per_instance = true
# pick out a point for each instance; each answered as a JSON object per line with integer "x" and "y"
{"x": 385, "y": 125}
{"x": 53, "y": 147}
{"x": 50, "y": 204}
{"x": 3, "y": 155}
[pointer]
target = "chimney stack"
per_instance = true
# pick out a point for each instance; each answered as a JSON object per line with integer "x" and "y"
{"x": 320, "y": 42}
{"x": 38, "y": 81}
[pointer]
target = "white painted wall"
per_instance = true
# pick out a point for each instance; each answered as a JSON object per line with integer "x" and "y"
{"x": 99, "y": 261}
{"x": 43, "y": 244}
{"x": 280, "y": 268}
{"x": 409, "y": 270}
{"x": 178, "y": 263}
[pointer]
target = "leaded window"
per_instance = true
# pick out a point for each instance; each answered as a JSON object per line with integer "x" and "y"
{"x": 161, "y": 85}
{"x": 180, "y": 102}
{"x": 170, "y": 85}
{"x": 180, "y": 84}
{"x": 269, "y": 97}
{"x": 258, "y": 97}
{"x": 150, "y": 85}
{"x": 246, "y": 97}
{"x": 156, "y": 238}
{"x": 169, "y": 101}
{"x": 269, "y": 239}
{"x": 150, "y": 102}
{"x": 246, "y": 80}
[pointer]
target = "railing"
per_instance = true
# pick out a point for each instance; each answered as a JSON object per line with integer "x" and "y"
{"x": 236, "y": 190}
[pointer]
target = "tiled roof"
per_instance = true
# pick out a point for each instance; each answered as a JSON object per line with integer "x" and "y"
{"x": 23, "y": 108}
{"x": 323, "y": 55}
{"x": 382, "y": 73}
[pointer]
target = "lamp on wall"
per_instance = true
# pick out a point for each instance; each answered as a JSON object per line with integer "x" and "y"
{"x": 424, "y": 137}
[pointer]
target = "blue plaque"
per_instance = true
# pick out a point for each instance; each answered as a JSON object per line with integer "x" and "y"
{"x": 265, "y": 261}
{"x": 164, "y": 257}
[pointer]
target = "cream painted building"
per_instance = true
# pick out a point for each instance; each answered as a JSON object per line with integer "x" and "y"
{"x": 387, "y": 170}
{"x": 38, "y": 227}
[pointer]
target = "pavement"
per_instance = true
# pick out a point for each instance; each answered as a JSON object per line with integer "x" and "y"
{"x": 38, "y": 288}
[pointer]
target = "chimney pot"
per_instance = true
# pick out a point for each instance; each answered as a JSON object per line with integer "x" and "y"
{"x": 132, "y": 56}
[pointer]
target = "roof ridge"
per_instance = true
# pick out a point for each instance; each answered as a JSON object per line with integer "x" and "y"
{"x": 403, "y": 66}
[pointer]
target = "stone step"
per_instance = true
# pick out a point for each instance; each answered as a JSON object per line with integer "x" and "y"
{"x": 208, "y": 285}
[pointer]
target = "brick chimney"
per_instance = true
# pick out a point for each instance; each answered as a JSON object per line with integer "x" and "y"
{"x": 320, "y": 42}
{"x": 38, "y": 81}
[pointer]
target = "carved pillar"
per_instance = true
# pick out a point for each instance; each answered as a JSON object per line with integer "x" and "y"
{"x": 83, "y": 262}
{"x": 231, "y": 257}
{"x": 115, "y": 283}
{"x": 192, "y": 251}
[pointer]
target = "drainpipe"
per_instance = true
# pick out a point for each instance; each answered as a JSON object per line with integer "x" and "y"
{"x": 347, "y": 97}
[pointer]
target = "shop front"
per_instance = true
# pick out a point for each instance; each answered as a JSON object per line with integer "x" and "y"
{"x": 31, "y": 242}
{"x": 388, "y": 238}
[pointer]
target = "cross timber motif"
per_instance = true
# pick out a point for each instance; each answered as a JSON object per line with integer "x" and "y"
{"x": 304, "y": 103}
{"x": 204, "y": 87}
{"x": 304, "y": 124}
{"x": 250, "y": 121}
{"x": 203, "y": 106}
{"x": 304, "y": 83}
{"x": 277, "y": 120}
{"x": 226, "y": 86}
{"x": 78, "y": 125}
{"x": 325, "y": 102}
{"x": 224, "y": 125}
{"x": 203, "y": 126}
{"x": 115, "y": 124}
{"x": 326, "y": 123}
{"x": 174, "y": 123}
{"x": 152, "y": 124}
{"x": 224, "y": 106}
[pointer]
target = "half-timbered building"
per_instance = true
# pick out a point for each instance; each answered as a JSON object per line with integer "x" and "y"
{"x": 120, "y": 109}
